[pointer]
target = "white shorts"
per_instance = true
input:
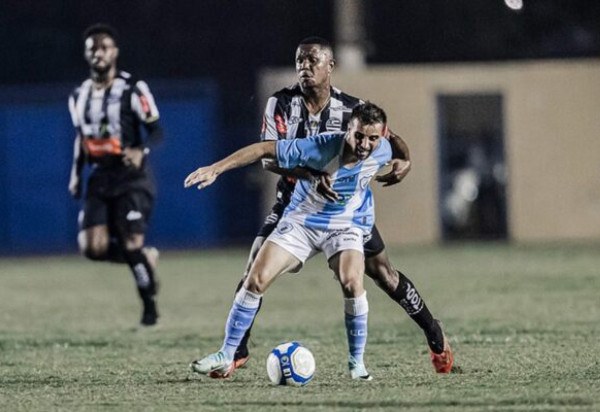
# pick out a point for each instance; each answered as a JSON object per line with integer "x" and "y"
{"x": 304, "y": 243}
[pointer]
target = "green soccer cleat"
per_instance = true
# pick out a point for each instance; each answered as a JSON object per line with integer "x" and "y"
{"x": 358, "y": 370}
{"x": 215, "y": 365}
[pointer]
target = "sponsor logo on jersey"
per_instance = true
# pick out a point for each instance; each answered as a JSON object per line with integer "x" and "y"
{"x": 102, "y": 147}
{"x": 280, "y": 124}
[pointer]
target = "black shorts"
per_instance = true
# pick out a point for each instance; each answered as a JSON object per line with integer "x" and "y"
{"x": 373, "y": 244}
{"x": 127, "y": 213}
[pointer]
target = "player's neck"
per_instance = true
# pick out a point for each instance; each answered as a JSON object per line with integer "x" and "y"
{"x": 103, "y": 80}
{"x": 316, "y": 99}
{"x": 349, "y": 159}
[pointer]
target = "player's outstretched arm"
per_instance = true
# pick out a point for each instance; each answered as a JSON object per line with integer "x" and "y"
{"x": 205, "y": 176}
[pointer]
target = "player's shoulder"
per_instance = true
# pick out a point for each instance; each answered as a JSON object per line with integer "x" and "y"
{"x": 127, "y": 77}
{"x": 288, "y": 92}
{"x": 84, "y": 85}
{"x": 347, "y": 99}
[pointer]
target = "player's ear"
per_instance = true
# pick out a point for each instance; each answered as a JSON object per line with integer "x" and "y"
{"x": 386, "y": 131}
{"x": 331, "y": 66}
{"x": 116, "y": 52}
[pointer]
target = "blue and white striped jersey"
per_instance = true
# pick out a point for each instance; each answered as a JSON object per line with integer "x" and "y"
{"x": 355, "y": 206}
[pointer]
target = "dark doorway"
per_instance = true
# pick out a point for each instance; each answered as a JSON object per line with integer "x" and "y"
{"x": 472, "y": 167}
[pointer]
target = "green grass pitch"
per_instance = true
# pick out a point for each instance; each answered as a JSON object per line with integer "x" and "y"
{"x": 524, "y": 322}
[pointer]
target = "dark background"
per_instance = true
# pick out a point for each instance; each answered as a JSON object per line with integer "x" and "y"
{"x": 229, "y": 40}
{"x": 215, "y": 48}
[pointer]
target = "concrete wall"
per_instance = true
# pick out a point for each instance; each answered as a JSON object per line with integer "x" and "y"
{"x": 552, "y": 142}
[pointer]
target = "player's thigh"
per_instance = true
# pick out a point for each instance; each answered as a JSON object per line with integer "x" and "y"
{"x": 296, "y": 239}
{"x": 131, "y": 213}
{"x": 344, "y": 252}
{"x": 272, "y": 260}
{"x": 93, "y": 225}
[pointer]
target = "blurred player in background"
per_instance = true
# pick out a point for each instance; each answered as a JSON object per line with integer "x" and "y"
{"x": 311, "y": 224}
{"x": 108, "y": 111}
{"x": 313, "y": 106}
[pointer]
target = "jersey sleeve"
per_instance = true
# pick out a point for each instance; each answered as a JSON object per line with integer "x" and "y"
{"x": 314, "y": 152}
{"x": 383, "y": 153}
{"x": 274, "y": 126}
{"x": 142, "y": 103}
{"x": 73, "y": 111}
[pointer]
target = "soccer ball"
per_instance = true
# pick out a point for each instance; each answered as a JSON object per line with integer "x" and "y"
{"x": 290, "y": 364}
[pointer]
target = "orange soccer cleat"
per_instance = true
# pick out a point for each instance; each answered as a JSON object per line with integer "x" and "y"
{"x": 442, "y": 362}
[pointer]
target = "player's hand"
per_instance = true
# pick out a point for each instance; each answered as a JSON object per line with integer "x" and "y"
{"x": 400, "y": 169}
{"x": 203, "y": 177}
{"x": 75, "y": 187}
{"x": 133, "y": 157}
{"x": 324, "y": 188}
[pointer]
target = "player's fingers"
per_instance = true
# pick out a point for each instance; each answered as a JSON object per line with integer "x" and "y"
{"x": 388, "y": 179}
{"x": 190, "y": 180}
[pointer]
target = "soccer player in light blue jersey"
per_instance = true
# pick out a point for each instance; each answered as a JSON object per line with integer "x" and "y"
{"x": 310, "y": 224}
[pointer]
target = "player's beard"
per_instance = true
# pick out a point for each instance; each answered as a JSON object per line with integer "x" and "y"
{"x": 100, "y": 73}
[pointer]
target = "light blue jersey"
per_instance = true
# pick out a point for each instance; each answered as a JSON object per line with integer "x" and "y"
{"x": 355, "y": 206}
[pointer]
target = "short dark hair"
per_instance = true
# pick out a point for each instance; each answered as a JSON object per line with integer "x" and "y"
{"x": 316, "y": 40}
{"x": 369, "y": 113}
{"x": 101, "y": 28}
{"x": 320, "y": 41}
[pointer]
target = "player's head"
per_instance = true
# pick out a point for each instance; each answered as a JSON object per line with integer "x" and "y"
{"x": 100, "y": 47}
{"x": 366, "y": 128}
{"x": 314, "y": 63}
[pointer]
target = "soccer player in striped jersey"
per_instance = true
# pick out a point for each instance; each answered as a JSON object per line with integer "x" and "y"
{"x": 312, "y": 106}
{"x": 310, "y": 224}
{"x": 109, "y": 111}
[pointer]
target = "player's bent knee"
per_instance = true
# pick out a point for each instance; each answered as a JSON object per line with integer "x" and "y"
{"x": 351, "y": 285}
{"x": 256, "y": 283}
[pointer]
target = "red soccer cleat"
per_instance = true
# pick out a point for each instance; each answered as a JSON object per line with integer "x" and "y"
{"x": 442, "y": 362}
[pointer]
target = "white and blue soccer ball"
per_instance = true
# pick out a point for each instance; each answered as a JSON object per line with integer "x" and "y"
{"x": 290, "y": 364}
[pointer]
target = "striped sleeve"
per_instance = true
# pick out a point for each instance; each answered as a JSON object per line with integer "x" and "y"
{"x": 273, "y": 125}
{"x": 142, "y": 103}
{"x": 314, "y": 152}
{"x": 73, "y": 110}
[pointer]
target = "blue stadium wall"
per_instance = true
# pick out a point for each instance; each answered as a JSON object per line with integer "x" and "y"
{"x": 36, "y": 143}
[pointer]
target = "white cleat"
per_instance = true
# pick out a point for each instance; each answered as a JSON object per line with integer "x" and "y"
{"x": 215, "y": 365}
{"x": 358, "y": 371}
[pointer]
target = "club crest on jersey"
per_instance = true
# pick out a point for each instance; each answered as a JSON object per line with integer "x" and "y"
{"x": 333, "y": 124}
{"x": 364, "y": 181}
{"x": 294, "y": 120}
{"x": 284, "y": 228}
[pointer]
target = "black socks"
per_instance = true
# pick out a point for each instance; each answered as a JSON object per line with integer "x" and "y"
{"x": 407, "y": 296}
